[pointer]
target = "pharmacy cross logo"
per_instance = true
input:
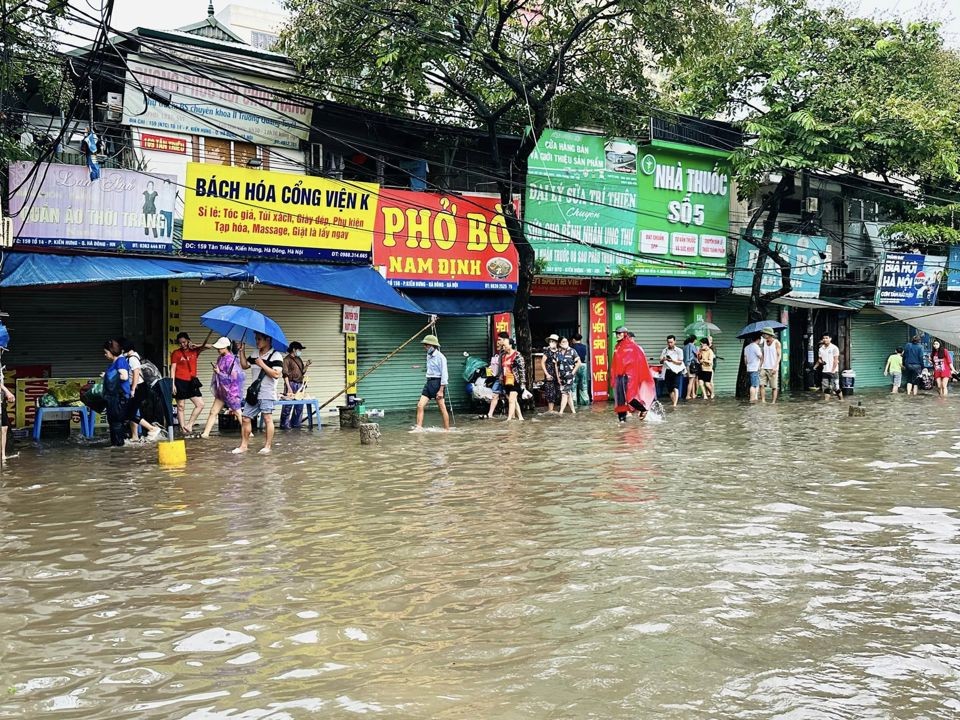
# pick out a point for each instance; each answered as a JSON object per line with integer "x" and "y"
{"x": 648, "y": 165}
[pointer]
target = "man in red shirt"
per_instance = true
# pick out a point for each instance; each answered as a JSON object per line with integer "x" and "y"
{"x": 186, "y": 385}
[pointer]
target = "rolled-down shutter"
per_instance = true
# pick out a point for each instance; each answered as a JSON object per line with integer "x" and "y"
{"x": 873, "y": 336}
{"x": 652, "y": 322}
{"x": 62, "y": 327}
{"x": 314, "y": 323}
{"x": 396, "y": 385}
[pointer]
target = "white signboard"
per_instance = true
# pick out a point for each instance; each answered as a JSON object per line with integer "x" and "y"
{"x": 351, "y": 319}
{"x": 242, "y": 109}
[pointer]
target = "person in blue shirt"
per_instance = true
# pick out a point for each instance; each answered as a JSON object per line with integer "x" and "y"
{"x": 116, "y": 391}
{"x": 437, "y": 380}
{"x": 913, "y": 364}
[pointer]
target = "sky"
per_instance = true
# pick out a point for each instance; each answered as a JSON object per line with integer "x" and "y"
{"x": 129, "y": 14}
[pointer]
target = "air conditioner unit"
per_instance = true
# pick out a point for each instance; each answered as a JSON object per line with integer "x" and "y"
{"x": 6, "y": 232}
{"x": 813, "y": 204}
{"x": 114, "y": 110}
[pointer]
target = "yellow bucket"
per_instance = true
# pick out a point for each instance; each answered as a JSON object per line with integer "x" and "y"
{"x": 172, "y": 453}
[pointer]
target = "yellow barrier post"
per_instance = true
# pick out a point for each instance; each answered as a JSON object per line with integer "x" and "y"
{"x": 172, "y": 453}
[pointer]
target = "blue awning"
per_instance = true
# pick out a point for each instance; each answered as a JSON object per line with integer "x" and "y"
{"x": 33, "y": 269}
{"x": 683, "y": 282}
{"x": 463, "y": 304}
{"x": 361, "y": 285}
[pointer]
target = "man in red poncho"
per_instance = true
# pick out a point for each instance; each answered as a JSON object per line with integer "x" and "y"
{"x": 632, "y": 383}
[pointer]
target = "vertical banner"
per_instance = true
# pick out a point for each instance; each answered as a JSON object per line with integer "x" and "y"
{"x": 501, "y": 323}
{"x": 785, "y": 348}
{"x": 351, "y": 346}
{"x": 599, "y": 348}
{"x": 174, "y": 291}
{"x": 351, "y": 319}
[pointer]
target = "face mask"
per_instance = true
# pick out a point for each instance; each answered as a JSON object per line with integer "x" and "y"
{"x": 430, "y": 351}
{"x": 297, "y": 353}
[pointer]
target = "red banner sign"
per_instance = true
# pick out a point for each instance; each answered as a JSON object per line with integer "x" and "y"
{"x": 560, "y": 286}
{"x": 450, "y": 242}
{"x": 501, "y": 323}
{"x": 163, "y": 143}
{"x": 599, "y": 350}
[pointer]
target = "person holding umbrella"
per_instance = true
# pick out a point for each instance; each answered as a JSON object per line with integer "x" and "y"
{"x": 261, "y": 395}
{"x": 437, "y": 380}
{"x": 770, "y": 364}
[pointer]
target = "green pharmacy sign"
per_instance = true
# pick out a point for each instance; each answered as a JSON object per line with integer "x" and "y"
{"x": 597, "y": 205}
{"x": 683, "y": 199}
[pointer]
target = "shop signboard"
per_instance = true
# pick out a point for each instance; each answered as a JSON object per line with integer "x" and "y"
{"x": 248, "y": 212}
{"x": 237, "y": 108}
{"x": 439, "y": 241}
{"x": 683, "y": 214}
{"x": 953, "y": 273}
{"x": 60, "y": 207}
{"x": 163, "y": 143}
{"x": 599, "y": 349}
{"x": 805, "y": 253}
{"x": 561, "y": 287}
{"x": 581, "y": 203}
{"x": 596, "y": 207}
{"x": 30, "y": 389}
{"x": 909, "y": 280}
{"x": 350, "y": 347}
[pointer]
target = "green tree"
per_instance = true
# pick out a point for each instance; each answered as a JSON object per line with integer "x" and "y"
{"x": 499, "y": 66}
{"x": 30, "y": 65}
{"x": 817, "y": 90}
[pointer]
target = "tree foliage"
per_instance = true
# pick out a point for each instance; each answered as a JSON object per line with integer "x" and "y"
{"x": 496, "y": 65}
{"x": 818, "y": 90}
{"x": 30, "y": 64}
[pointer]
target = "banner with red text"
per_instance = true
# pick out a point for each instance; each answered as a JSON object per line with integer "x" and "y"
{"x": 501, "y": 323}
{"x": 599, "y": 349}
{"x": 449, "y": 242}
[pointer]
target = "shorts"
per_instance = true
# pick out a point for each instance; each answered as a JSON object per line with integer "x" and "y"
{"x": 671, "y": 379}
{"x": 770, "y": 377}
{"x": 754, "y": 378}
{"x": 264, "y": 407}
{"x": 431, "y": 388}
{"x": 705, "y": 376}
{"x": 830, "y": 382}
{"x": 4, "y": 418}
{"x": 507, "y": 389}
{"x": 896, "y": 379}
{"x": 911, "y": 373}
{"x": 184, "y": 390}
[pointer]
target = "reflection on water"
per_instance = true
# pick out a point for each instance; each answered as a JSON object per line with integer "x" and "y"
{"x": 748, "y": 562}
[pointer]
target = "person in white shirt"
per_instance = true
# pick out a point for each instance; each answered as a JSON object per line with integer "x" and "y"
{"x": 673, "y": 368}
{"x": 829, "y": 360}
{"x": 770, "y": 364}
{"x": 753, "y": 358}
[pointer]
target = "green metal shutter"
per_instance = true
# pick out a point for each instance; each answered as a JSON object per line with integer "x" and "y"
{"x": 397, "y": 383}
{"x": 871, "y": 343}
{"x": 729, "y": 314}
{"x": 653, "y": 321}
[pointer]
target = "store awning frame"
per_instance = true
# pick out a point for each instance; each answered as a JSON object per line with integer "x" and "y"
{"x": 812, "y": 304}
{"x": 354, "y": 284}
{"x": 31, "y": 269}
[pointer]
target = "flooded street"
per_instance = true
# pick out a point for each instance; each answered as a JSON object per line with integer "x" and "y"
{"x": 731, "y": 562}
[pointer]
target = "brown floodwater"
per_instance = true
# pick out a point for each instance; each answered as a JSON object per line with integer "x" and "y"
{"x": 731, "y": 562}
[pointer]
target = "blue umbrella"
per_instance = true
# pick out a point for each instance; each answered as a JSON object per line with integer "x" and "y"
{"x": 755, "y": 328}
{"x": 4, "y": 337}
{"x": 240, "y": 323}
